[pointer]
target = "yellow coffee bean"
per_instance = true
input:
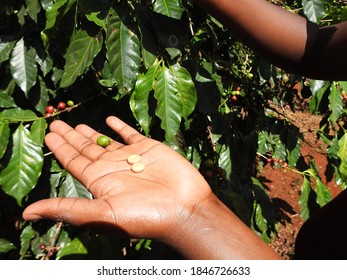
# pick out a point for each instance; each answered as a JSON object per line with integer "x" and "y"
{"x": 133, "y": 159}
{"x": 138, "y": 167}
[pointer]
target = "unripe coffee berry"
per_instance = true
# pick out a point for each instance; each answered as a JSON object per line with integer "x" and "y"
{"x": 70, "y": 103}
{"x": 103, "y": 141}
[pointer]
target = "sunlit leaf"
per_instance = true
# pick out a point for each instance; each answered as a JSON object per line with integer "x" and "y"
{"x": 169, "y": 108}
{"x": 4, "y": 137}
{"x": 170, "y": 8}
{"x": 314, "y": 9}
{"x": 80, "y": 56}
{"x": 123, "y": 53}
{"x": 304, "y": 199}
{"x": 139, "y": 101}
{"x": 23, "y": 66}
{"x": 20, "y": 175}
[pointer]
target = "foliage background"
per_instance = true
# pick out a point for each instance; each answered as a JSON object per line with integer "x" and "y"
{"x": 173, "y": 72}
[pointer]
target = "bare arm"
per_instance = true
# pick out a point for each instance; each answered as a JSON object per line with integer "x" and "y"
{"x": 284, "y": 38}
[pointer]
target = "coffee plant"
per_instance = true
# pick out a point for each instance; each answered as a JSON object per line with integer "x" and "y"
{"x": 176, "y": 74}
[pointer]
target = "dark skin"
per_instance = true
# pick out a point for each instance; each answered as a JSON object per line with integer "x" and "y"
{"x": 180, "y": 210}
{"x": 284, "y": 38}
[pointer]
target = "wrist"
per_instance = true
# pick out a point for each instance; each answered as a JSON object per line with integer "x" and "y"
{"x": 211, "y": 231}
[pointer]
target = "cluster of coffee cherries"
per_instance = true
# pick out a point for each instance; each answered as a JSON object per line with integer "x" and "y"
{"x": 49, "y": 250}
{"x": 276, "y": 161}
{"x": 51, "y": 110}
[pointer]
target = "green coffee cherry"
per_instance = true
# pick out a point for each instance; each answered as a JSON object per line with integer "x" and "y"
{"x": 103, "y": 141}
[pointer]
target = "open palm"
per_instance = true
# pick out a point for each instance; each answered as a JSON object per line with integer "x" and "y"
{"x": 149, "y": 204}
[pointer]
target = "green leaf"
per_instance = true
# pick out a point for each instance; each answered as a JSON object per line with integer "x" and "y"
{"x": 4, "y": 137}
{"x": 335, "y": 103}
{"x": 304, "y": 199}
{"x": 169, "y": 108}
{"x": 6, "y": 246}
{"x": 75, "y": 247}
{"x": 342, "y": 154}
{"x": 323, "y": 194}
{"x": 5, "y": 50}
{"x": 314, "y": 9}
{"x": 43, "y": 97}
{"x": 73, "y": 188}
{"x": 17, "y": 115}
{"x": 23, "y": 66}
{"x": 6, "y": 101}
{"x": 318, "y": 89}
{"x": 55, "y": 12}
{"x": 186, "y": 89}
{"x": 79, "y": 56}
{"x": 170, "y": 8}
{"x": 263, "y": 144}
{"x": 33, "y": 8}
{"x": 24, "y": 168}
{"x": 123, "y": 53}
{"x": 224, "y": 159}
{"x": 139, "y": 98}
{"x": 100, "y": 21}
{"x": 27, "y": 234}
{"x": 38, "y": 131}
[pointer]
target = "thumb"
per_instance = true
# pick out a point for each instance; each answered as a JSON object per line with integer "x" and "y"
{"x": 74, "y": 211}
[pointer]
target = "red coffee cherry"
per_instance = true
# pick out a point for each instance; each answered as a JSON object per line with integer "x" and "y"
{"x": 61, "y": 106}
{"x": 49, "y": 109}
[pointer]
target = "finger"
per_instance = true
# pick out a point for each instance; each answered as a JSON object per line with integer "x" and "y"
{"x": 67, "y": 155}
{"x": 93, "y": 135}
{"x": 80, "y": 142}
{"x": 129, "y": 134}
{"x": 73, "y": 211}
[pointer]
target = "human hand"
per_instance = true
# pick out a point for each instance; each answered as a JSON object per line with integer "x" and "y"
{"x": 153, "y": 203}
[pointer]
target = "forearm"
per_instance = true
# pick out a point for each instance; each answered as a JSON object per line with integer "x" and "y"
{"x": 271, "y": 30}
{"x": 284, "y": 38}
{"x": 212, "y": 231}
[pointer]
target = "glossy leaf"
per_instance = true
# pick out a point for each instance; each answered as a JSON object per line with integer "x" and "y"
{"x": 323, "y": 194}
{"x": 20, "y": 175}
{"x": 73, "y": 188}
{"x": 314, "y": 9}
{"x": 38, "y": 131}
{"x": 139, "y": 102}
{"x": 185, "y": 89}
{"x": 17, "y": 115}
{"x": 76, "y": 246}
{"x": 342, "y": 154}
{"x": 6, "y": 101}
{"x": 80, "y": 56}
{"x": 4, "y": 137}
{"x": 304, "y": 199}
{"x": 55, "y": 12}
{"x": 23, "y": 66}
{"x": 33, "y": 8}
{"x": 123, "y": 53}
{"x": 318, "y": 89}
{"x": 169, "y": 8}
{"x": 5, "y": 50}
{"x": 335, "y": 103}
{"x": 27, "y": 234}
{"x": 169, "y": 108}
